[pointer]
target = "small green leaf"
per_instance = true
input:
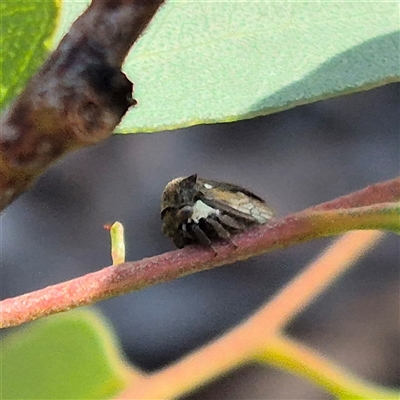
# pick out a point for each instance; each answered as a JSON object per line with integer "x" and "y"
{"x": 26, "y": 27}
{"x": 117, "y": 242}
{"x": 67, "y": 356}
{"x": 218, "y": 61}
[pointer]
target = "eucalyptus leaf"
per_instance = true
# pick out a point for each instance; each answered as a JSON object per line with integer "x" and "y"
{"x": 66, "y": 356}
{"x": 26, "y": 30}
{"x": 208, "y": 61}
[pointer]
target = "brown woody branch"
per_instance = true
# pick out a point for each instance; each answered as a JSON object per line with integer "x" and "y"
{"x": 78, "y": 96}
{"x": 123, "y": 278}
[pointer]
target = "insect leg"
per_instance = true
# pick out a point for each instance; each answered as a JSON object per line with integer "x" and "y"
{"x": 232, "y": 223}
{"x": 220, "y": 230}
{"x": 179, "y": 240}
{"x": 201, "y": 237}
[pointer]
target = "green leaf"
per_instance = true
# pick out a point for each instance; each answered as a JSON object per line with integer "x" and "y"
{"x": 117, "y": 242}
{"x": 26, "y": 27}
{"x": 209, "y": 61}
{"x": 67, "y": 356}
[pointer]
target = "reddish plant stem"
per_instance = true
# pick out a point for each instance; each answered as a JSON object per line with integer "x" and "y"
{"x": 374, "y": 194}
{"x": 78, "y": 96}
{"x": 123, "y": 278}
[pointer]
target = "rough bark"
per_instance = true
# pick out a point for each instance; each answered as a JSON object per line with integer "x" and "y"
{"x": 78, "y": 96}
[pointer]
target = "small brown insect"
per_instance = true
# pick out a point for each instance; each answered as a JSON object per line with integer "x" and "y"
{"x": 196, "y": 210}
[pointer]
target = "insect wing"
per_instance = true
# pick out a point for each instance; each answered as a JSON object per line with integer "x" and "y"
{"x": 207, "y": 184}
{"x": 238, "y": 205}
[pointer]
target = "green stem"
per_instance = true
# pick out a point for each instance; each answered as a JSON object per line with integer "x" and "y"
{"x": 384, "y": 216}
{"x": 296, "y": 358}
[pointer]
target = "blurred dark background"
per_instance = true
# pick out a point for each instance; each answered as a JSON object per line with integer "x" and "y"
{"x": 293, "y": 159}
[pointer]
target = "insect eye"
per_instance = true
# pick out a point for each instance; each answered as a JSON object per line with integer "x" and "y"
{"x": 163, "y": 212}
{"x": 184, "y": 213}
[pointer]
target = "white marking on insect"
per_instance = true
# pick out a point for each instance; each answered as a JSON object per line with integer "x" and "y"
{"x": 207, "y": 186}
{"x": 202, "y": 210}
